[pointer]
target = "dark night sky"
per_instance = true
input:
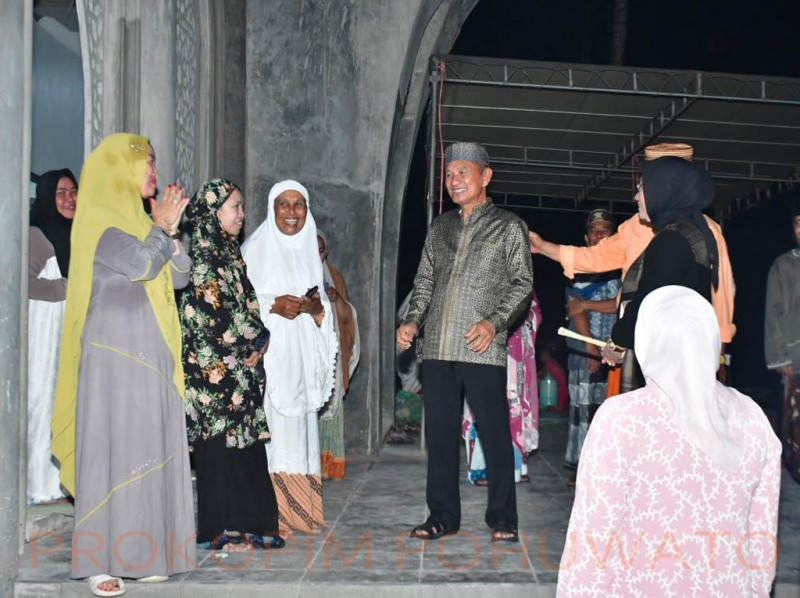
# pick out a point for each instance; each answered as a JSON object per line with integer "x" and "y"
{"x": 705, "y": 35}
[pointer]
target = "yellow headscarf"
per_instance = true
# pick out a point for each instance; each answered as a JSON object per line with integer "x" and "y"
{"x": 109, "y": 197}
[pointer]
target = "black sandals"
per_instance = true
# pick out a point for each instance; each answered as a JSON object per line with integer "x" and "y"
{"x": 432, "y": 529}
{"x": 502, "y": 532}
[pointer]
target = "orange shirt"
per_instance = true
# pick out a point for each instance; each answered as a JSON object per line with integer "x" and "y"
{"x": 631, "y": 239}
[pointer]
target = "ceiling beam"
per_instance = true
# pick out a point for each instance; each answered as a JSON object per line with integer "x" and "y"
{"x": 657, "y": 125}
{"x": 620, "y": 80}
{"x": 700, "y": 121}
{"x": 717, "y": 175}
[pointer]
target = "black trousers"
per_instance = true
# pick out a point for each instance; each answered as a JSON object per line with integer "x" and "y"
{"x": 443, "y": 387}
{"x": 234, "y": 490}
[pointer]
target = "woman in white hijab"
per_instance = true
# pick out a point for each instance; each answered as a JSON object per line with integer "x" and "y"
{"x": 679, "y": 481}
{"x": 284, "y": 266}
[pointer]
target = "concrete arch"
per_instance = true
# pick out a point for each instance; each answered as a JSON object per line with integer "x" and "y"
{"x": 438, "y": 26}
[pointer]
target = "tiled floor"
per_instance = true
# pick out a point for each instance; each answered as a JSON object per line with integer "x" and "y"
{"x": 367, "y": 552}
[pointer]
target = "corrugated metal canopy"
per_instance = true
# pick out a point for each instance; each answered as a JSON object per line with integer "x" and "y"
{"x": 571, "y": 136}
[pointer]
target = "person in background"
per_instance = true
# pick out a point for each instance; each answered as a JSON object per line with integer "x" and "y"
{"x": 345, "y": 323}
{"x": 681, "y": 477}
{"x": 782, "y": 342}
{"x": 591, "y": 307}
{"x": 119, "y": 428}
{"x": 407, "y": 360}
{"x": 223, "y": 344}
{"x": 522, "y": 392}
{"x": 622, "y": 249}
{"x": 283, "y": 264}
{"x": 48, "y": 265}
{"x": 408, "y": 400}
{"x": 672, "y": 196}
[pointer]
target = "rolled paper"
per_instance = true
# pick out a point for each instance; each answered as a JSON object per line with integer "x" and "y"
{"x": 586, "y": 339}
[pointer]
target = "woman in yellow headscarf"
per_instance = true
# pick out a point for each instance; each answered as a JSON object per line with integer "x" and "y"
{"x": 119, "y": 431}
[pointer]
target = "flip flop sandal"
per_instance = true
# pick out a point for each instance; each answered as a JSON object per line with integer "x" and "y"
{"x": 432, "y": 530}
{"x": 224, "y": 539}
{"x": 266, "y": 542}
{"x": 482, "y": 482}
{"x": 502, "y": 528}
{"x": 96, "y": 580}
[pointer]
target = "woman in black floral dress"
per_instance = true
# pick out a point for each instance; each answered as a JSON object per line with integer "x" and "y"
{"x": 223, "y": 344}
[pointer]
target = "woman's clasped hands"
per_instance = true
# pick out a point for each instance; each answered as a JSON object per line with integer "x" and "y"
{"x": 290, "y": 306}
{"x": 167, "y": 213}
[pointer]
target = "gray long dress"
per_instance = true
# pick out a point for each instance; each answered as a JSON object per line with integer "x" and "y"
{"x": 134, "y": 512}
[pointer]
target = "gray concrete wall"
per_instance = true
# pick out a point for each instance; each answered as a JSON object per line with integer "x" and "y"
{"x": 230, "y": 74}
{"x": 327, "y": 85}
{"x": 15, "y": 68}
{"x": 158, "y": 80}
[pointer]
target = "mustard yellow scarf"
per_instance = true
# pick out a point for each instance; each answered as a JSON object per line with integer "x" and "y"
{"x": 109, "y": 197}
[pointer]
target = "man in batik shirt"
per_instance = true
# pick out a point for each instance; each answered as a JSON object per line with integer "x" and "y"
{"x": 475, "y": 278}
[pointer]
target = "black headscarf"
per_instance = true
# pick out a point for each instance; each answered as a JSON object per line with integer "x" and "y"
{"x": 46, "y": 217}
{"x": 676, "y": 190}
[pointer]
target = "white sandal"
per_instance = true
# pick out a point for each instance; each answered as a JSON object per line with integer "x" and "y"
{"x": 153, "y": 579}
{"x": 96, "y": 580}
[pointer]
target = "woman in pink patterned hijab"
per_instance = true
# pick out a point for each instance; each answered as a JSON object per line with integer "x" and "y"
{"x": 679, "y": 481}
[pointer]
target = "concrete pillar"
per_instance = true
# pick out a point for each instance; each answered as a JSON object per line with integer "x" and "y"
{"x": 227, "y": 97}
{"x": 129, "y": 71}
{"x": 158, "y": 84}
{"x": 16, "y": 28}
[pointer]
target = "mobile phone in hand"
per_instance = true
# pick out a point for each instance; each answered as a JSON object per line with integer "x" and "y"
{"x": 310, "y": 292}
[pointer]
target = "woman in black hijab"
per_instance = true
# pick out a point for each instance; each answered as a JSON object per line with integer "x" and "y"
{"x": 672, "y": 196}
{"x": 48, "y": 267}
{"x": 53, "y": 211}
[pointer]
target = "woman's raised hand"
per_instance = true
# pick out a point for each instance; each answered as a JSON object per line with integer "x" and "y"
{"x": 287, "y": 306}
{"x": 167, "y": 212}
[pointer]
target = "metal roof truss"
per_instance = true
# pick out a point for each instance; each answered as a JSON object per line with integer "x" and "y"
{"x": 571, "y": 136}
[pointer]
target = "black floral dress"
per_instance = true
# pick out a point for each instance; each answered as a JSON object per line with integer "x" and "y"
{"x": 226, "y": 421}
{"x": 221, "y": 322}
